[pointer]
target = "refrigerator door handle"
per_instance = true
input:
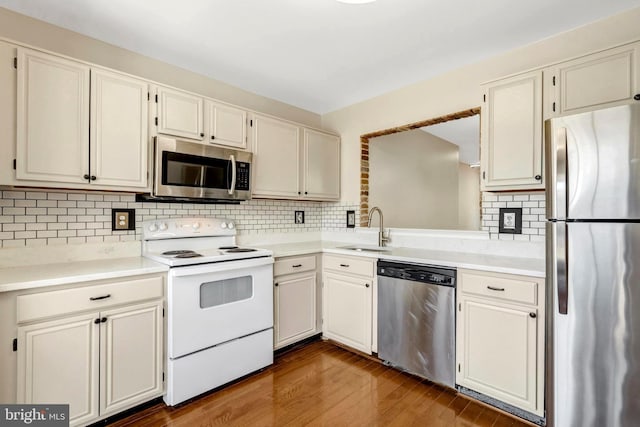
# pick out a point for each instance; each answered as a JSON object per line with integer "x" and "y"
{"x": 561, "y": 177}
{"x": 562, "y": 261}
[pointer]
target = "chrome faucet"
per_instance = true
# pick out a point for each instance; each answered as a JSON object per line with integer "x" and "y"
{"x": 381, "y": 238}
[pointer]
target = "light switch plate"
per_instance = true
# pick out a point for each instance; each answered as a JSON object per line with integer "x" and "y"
{"x": 299, "y": 217}
{"x": 123, "y": 219}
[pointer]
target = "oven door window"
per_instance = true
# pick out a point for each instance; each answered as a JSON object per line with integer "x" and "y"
{"x": 227, "y": 291}
{"x": 188, "y": 170}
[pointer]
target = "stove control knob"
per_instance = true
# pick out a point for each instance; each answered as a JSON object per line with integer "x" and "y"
{"x": 195, "y": 225}
{"x": 153, "y": 227}
{"x": 223, "y": 225}
{"x": 163, "y": 226}
{"x": 231, "y": 226}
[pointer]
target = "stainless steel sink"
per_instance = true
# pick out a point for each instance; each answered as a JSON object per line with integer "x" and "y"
{"x": 366, "y": 248}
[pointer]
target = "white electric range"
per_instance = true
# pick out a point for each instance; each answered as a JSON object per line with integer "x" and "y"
{"x": 219, "y": 303}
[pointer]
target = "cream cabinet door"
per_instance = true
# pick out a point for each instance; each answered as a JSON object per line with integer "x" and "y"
{"x": 276, "y": 158}
{"x": 58, "y": 363}
{"x": 119, "y": 114}
{"x": 52, "y": 119}
{"x": 347, "y": 310}
{"x": 497, "y": 351}
{"x": 226, "y": 125}
{"x": 601, "y": 80}
{"x": 511, "y": 140}
{"x": 180, "y": 114}
{"x": 295, "y": 308}
{"x": 131, "y": 356}
{"x": 321, "y": 166}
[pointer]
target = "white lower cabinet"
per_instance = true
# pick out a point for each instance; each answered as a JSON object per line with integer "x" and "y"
{"x": 348, "y": 301}
{"x": 500, "y": 337}
{"x": 296, "y": 300}
{"x": 99, "y": 362}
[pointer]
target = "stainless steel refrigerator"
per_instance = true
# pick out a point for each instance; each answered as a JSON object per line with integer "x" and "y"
{"x": 593, "y": 269}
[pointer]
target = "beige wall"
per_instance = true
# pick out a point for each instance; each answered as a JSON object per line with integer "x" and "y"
{"x": 26, "y": 30}
{"x": 413, "y": 178}
{"x": 468, "y": 197}
{"x": 460, "y": 89}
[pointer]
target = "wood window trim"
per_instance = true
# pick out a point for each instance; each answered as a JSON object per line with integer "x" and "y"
{"x": 364, "y": 152}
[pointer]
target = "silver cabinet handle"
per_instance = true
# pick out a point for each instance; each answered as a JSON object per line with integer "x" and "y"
{"x": 492, "y": 288}
{"x": 100, "y": 297}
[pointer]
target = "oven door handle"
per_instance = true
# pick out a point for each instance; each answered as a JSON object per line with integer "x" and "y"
{"x": 232, "y": 159}
{"x": 240, "y": 265}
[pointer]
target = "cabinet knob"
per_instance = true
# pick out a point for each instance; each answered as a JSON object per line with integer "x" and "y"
{"x": 366, "y": 285}
{"x": 533, "y": 315}
{"x": 97, "y": 321}
{"x": 213, "y": 137}
{"x": 298, "y": 192}
{"x": 93, "y": 178}
{"x": 637, "y": 97}
{"x": 538, "y": 177}
{"x": 202, "y": 135}
{"x": 275, "y": 284}
{"x": 306, "y": 192}
{"x": 86, "y": 176}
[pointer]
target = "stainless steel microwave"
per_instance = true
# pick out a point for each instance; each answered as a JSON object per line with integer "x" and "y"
{"x": 188, "y": 170}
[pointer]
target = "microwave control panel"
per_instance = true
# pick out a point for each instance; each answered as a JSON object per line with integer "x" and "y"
{"x": 242, "y": 176}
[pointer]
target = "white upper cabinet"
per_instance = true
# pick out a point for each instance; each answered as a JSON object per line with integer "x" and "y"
{"x": 276, "y": 158}
{"x": 321, "y": 165}
{"x": 511, "y": 140}
{"x": 186, "y": 115}
{"x": 180, "y": 114}
{"x": 292, "y": 162}
{"x": 226, "y": 125}
{"x": 52, "y": 119}
{"x": 79, "y": 127}
{"x": 119, "y": 113}
{"x": 601, "y": 80}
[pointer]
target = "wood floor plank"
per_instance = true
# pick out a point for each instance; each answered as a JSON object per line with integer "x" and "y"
{"x": 321, "y": 384}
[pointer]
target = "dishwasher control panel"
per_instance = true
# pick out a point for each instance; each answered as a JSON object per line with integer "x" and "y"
{"x": 418, "y": 273}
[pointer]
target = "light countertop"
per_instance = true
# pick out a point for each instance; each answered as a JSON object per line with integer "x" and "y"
{"x": 41, "y": 275}
{"x": 534, "y": 267}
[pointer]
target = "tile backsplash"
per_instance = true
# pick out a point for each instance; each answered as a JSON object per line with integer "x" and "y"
{"x": 39, "y": 218}
{"x": 533, "y": 214}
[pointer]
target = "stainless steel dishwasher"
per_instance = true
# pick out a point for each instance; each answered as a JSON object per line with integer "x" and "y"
{"x": 416, "y": 319}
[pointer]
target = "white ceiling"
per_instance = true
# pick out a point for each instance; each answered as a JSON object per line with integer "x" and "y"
{"x": 319, "y": 55}
{"x": 465, "y": 133}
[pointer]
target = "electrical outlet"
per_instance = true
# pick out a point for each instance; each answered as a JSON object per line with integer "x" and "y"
{"x": 123, "y": 219}
{"x": 299, "y": 217}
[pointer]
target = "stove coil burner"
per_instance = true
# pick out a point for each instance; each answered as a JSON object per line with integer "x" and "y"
{"x": 179, "y": 252}
{"x": 234, "y": 250}
{"x": 183, "y": 253}
{"x": 188, "y": 255}
{"x": 224, "y": 248}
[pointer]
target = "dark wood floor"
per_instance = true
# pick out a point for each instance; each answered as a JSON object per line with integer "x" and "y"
{"x": 323, "y": 385}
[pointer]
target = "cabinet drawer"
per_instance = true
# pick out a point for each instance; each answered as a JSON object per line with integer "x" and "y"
{"x": 294, "y": 265}
{"x": 96, "y": 297}
{"x": 518, "y": 289}
{"x": 351, "y": 265}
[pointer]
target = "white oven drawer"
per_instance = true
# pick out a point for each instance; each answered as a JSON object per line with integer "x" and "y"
{"x": 210, "y": 304}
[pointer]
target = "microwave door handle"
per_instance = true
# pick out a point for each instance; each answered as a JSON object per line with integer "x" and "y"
{"x": 232, "y": 159}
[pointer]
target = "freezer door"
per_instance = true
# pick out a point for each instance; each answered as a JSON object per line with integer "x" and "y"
{"x": 596, "y": 344}
{"x": 593, "y": 165}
